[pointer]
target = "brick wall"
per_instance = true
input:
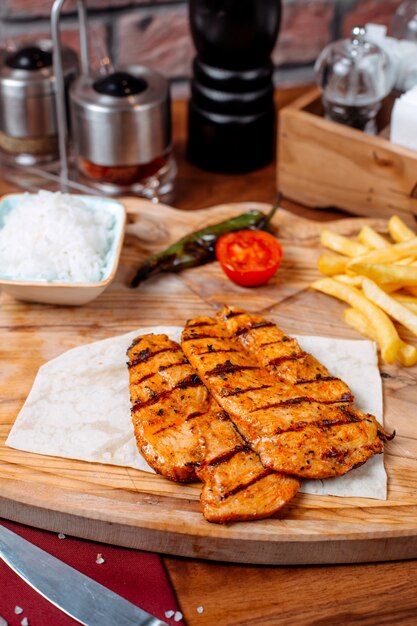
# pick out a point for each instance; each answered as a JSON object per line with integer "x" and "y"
{"x": 156, "y": 32}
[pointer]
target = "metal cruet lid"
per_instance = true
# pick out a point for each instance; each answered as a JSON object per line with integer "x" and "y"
{"x": 28, "y": 70}
{"x": 354, "y": 72}
{"x": 122, "y": 118}
{"x": 27, "y": 89}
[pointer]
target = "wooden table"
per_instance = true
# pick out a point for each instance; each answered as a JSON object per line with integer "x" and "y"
{"x": 234, "y": 595}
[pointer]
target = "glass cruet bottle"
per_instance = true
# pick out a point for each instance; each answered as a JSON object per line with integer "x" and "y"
{"x": 355, "y": 75}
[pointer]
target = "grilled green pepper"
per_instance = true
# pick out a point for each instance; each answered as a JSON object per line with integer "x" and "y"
{"x": 197, "y": 248}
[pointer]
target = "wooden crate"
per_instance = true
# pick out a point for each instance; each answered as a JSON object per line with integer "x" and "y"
{"x": 323, "y": 164}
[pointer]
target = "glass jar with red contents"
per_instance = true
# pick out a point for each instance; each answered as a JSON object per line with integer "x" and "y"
{"x": 121, "y": 132}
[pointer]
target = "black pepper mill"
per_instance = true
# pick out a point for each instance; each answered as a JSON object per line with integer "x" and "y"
{"x": 231, "y": 123}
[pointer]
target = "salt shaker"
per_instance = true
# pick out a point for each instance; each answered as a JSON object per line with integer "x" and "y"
{"x": 355, "y": 76}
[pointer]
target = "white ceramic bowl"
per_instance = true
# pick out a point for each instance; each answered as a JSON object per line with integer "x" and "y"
{"x": 68, "y": 293}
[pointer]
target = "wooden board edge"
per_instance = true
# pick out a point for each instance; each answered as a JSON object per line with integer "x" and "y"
{"x": 229, "y": 550}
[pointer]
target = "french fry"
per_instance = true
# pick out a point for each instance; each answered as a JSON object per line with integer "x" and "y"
{"x": 408, "y": 301}
{"x": 332, "y": 264}
{"x": 391, "y": 287}
{"x": 371, "y": 239}
{"x": 396, "y": 310}
{"x": 389, "y": 255}
{"x": 340, "y": 243}
{"x": 398, "y": 230}
{"x": 355, "y": 281}
{"x": 404, "y": 275}
{"x": 387, "y": 335}
{"x": 384, "y": 268}
{"x": 407, "y": 353}
{"x": 408, "y": 260}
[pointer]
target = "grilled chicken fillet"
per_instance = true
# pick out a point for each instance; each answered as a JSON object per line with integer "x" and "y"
{"x": 291, "y": 433}
{"x": 237, "y": 486}
{"x": 167, "y": 397}
{"x": 282, "y": 356}
{"x": 183, "y": 433}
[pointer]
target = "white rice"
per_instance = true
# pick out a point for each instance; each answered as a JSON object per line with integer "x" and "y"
{"x": 55, "y": 237}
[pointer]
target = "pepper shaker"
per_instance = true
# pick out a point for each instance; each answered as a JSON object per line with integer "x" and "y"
{"x": 231, "y": 123}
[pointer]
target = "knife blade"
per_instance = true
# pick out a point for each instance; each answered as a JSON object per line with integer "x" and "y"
{"x": 75, "y": 594}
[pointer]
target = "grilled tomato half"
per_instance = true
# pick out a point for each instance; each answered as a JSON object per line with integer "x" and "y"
{"x": 249, "y": 257}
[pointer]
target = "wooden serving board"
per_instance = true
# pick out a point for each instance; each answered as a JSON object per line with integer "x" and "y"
{"x": 132, "y": 508}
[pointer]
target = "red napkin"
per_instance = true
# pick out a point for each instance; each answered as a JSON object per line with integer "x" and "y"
{"x": 138, "y": 576}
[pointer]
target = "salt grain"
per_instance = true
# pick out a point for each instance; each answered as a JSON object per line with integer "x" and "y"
{"x": 178, "y": 616}
{"x": 200, "y": 609}
{"x": 169, "y": 614}
{"x": 3, "y": 621}
{"x": 25, "y": 622}
{"x": 61, "y": 536}
{"x": 18, "y": 610}
{"x": 99, "y": 559}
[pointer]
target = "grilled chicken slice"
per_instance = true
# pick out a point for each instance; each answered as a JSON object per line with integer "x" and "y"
{"x": 167, "y": 397}
{"x": 184, "y": 434}
{"x": 237, "y": 486}
{"x": 282, "y": 356}
{"x": 291, "y": 433}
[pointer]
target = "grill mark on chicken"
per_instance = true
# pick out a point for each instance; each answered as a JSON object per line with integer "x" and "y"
{"x": 135, "y": 343}
{"x": 238, "y": 391}
{"x": 346, "y": 397}
{"x": 243, "y": 330}
{"x": 198, "y": 324}
{"x": 294, "y": 356}
{"x": 269, "y": 343}
{"x": 229, "y": 454}
{"x": 161, "y": 368}
{"x": 228, "y": 368}
{"x": 192, "y": 336}
{"x": 241, "y": 487}
{"x": 192, "y": 416}
{"x": 211, "y": 350}
{"x": 283, "y": 403}
{"x": 282, "y": 436}
{"x": 233, "y": 313}
{"x": 317, "y": 379}
{"x": 146, "y": 355}
{"x": 191, "y": 381}
{"x": 325, "y": 423}
{"x": 189, "y": 417}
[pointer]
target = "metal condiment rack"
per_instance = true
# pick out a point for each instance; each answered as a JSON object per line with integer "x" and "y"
{"x": 62, "y": 175}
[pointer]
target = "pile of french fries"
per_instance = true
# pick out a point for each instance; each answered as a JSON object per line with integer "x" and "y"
{"x": 377, "y": 277}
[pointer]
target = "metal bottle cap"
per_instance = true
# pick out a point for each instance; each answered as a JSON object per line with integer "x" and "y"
{"x": 122, "y": 119}
{"x": 27, "y": 89}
